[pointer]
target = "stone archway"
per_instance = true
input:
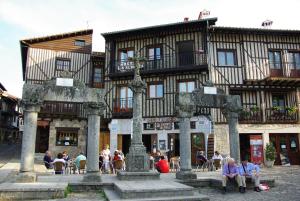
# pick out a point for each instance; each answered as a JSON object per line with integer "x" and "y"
{"x": 63, "y": 89}
{"x": 207, "y": 97}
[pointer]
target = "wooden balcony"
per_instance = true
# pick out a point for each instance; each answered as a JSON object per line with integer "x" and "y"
{"x": 251, "y": 115}
{"x": 282, "y": 115}
{"x": 122, "y": 107}
{"x": 62, "y": 110}
{"x": 167, "y": 63}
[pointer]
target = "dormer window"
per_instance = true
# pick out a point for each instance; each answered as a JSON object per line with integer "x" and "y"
{"x": 80, "y": 43}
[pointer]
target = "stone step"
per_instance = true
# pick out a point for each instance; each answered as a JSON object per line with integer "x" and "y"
{"x": 89, "y": 186}
{"x": 151, "y": 188}
{"x": 113, "y": 196}
{"x": 32, "y": 191}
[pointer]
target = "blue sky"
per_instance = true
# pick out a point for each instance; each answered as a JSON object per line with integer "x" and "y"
{"x": 21, "y": 19}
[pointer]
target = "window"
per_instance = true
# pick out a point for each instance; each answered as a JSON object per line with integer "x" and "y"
{"x": 186, "y": 86}
{"x": 155, "y": 90}
{"x": 63, "y": 64}
{"x": 67, "y": 136}
{"x": 125, "y": 54}
{"x": 125, "y": 97}
{"x": 193, "y": 125}
{"x": 226, "y": 58}
{"x": 80, "y": 43}
{"x": 275, "y": 59}
{"x": 154, "y": 53}
{"x": 294, "y": 60}
{"x": 176, "y": 125}
{"x": 278, "y": 100}
{"x": 149, "y": 126}
{"x": 98, "y": 76}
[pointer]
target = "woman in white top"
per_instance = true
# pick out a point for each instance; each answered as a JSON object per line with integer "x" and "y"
{"x": 59, "y": 170}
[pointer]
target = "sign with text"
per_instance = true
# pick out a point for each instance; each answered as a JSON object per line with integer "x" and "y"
{"x": 256, "y": 148}
{"x": 210, "y": 90}
{"x": 64, "y": 82}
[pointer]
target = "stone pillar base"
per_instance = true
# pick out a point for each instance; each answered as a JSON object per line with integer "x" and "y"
{"x": 137, "y": 160}
{"x": 92, "y": 177}
{"x": 186, "y": 175}
{"x": 132, "y": 176}
{"x": 26, "y": 177}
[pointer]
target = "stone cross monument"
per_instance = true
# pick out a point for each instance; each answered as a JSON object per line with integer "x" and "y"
{"x": 137, "y": 160}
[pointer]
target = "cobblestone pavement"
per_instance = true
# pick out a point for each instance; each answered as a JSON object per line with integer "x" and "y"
{"x": 89, "y": 196}
{"x": 287, "y": 187}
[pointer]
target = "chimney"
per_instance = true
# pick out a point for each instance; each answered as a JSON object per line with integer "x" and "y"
{"x": 186, "y": 19}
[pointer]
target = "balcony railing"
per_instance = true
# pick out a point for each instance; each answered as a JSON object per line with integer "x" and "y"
{"x": 284, "y": 69}
{"x": 250, "y": 115}
{"x": 165, "y": 62}
{"x": 282, "y": 115}
{"x": 122, "y": 106}
{"x": 62, "y": 109}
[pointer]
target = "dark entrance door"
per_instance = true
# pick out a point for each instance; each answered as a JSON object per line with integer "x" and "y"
{"x": 42, "y": 139}
{"x": 185, "y": 55}
{"x": 286, "y": 144}
{"x": 150, "y": 142}
{"x": 173, "y": 145}
{"x": 197, "y": 144}
{"x": 126, "y": 140}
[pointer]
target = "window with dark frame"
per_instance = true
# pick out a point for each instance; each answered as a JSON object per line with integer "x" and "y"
{"x": 176, "y": 125}
{"x": 149, "y": 126}
{"x": 124, "y": 54}
{"x": 155, "y": 90}
{"x": 67, "y": 136}
{"x": 226, "y": 58}
{"x": 193, "y": 125}
{"x": 98, "y": 75}
{"x": 63, "y": 64}
{"x": 186, "y": 86}
{"x": 275, "y": 59}
{"x": 80, "y": 43}
{"x": 294, "y": 60}
{"x": 154, "y": 53}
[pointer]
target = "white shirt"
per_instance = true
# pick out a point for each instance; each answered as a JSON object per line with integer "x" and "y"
{"x": 217, "y": 157}
{"x": 59, "y": 160}
{"x": 106, "y": 153}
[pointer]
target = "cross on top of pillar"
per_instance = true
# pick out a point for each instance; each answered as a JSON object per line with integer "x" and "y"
{"x": 137, "y": 85}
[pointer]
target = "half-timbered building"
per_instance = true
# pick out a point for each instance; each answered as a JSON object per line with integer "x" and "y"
{"x": 61, "y": 125}
{"x": 260, "y": 65}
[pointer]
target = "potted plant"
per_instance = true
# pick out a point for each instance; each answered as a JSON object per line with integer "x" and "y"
{"x": 291, "y": 110}
{"x": 270, "y": 155}
{"x": 254, "y": 109}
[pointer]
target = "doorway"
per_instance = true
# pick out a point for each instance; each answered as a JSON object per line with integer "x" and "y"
{"x": 173, "y": 145}
{"x": 42, "y": 139}
{"x": 150, "y": 142}
{"x": 124, "y": 141}
{"x": 185, "y": 55}
{"x": 197, "y": 143}
{"x": 287, "y": 145}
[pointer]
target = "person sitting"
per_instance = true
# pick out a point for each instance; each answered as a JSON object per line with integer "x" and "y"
{"x": 200, "y": 158}
{"x": 59, "y": 168}
{"x": 231, "y": 172}
{"x": 246, "y": 171}
{"x": 79, "y": 158}
{"x": 48, "y": 160}
{"x": 217, "y": 158}
{"x": 162, "y": 165}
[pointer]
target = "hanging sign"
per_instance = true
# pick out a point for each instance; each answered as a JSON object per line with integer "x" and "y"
{"x": 64, "y": 82}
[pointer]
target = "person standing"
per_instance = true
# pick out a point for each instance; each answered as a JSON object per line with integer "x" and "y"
{"x": 231, "y": 172}
{"x": 106, "y": 158}
{"x": 246, "y": 170}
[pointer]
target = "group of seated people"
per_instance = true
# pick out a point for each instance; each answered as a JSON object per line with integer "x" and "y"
{"x": 108, "y": 163}
{"x": 233, "y": 172}
{"x": 61, "y": 159}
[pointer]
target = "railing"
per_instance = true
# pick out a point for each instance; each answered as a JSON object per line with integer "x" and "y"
{"x": 251, "y": 115}
{"x": 122, "y": 105}
{"x": 164, "y": 62}
{"x": 284, "y": 69}
{"x": 282, "y": 115}
{"x": 62, "y": 109}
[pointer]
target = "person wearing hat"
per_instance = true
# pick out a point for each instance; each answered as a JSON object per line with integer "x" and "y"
{"x": 246, "y": 170}
{"x": 231, "y": 172}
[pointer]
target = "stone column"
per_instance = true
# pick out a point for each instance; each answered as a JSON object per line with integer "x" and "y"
{"x": 184, "y": 114}
{"x": 28, "y": 143}
{"x": 234, "y": 141}
{"x": 93, "y": 111}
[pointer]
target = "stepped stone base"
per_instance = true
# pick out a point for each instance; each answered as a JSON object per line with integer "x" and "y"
{"x": 130, "y": 176}
{"x": 92, "y": 177}
{"x": 152, "y": 191}
{"x": 26, "y": 177}
{"x": 186, "y": 175}
{"x": 32, "y": 191}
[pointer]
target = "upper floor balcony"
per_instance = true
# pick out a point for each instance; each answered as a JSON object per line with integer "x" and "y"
{"x": 165, "y": 63}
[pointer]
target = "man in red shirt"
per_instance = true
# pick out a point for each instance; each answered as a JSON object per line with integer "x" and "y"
{"x": 162, "y": 165}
